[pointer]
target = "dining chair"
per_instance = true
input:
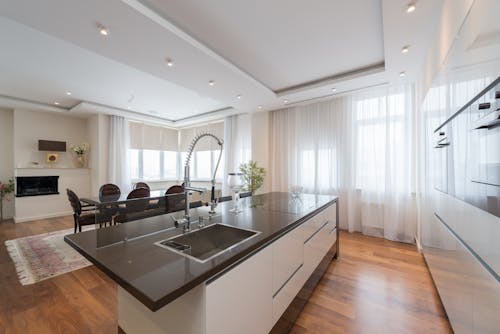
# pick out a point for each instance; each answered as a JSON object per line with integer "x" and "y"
{"x": 174, "y": 190}
{"x": 107, "y": 212}
{"x": 174, "y": 201}
{"x": 81, "y": 215}
{"x": 109, "y": 190}
{"x": 142, "y": 185}
{"x": 136, "y": 206}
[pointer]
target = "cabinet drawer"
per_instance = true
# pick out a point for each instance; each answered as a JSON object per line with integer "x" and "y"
{"x": 283, "y": 298}
{"x": 288, "y": 255}
{"x": 317, "y": 246}
{"x": 314, "y": 224}
{"x": 469, "y": 292}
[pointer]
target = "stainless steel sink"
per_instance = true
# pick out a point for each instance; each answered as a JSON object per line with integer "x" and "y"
{"x": 206, "y": 243}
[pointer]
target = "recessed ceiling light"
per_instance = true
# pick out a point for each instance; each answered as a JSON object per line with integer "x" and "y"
{"x": 170, "y": 62}
{"x": 334, "y": 89}
{"x": 259, "y": 107}
{"x": 238, "y": 96}
{"x": 103, "y": 30}
{"x": 211, "y": 83}
{"x": 285, "y": 101}
{"x": 129, "y": 107}
{"x": 402, "y": 74}
{"x": 411, "y": 8}
{"x": 405, "y": 49}
{"x": 68, "y": 93}
{"x": 56, "y": 103}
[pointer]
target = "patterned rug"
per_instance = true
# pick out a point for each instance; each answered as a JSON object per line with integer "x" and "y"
{"x": 43, "y": 256}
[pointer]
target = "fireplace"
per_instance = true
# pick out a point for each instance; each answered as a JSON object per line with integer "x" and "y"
{"x": 36, "y": 185}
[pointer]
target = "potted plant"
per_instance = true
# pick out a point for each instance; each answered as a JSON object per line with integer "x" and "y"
{"x": 5, "y": 189}
{"x": 253, "y": 176}
{"x": 81, "y": 154}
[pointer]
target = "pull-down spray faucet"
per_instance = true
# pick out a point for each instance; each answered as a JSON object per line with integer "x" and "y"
{"x": 186, "y": 221}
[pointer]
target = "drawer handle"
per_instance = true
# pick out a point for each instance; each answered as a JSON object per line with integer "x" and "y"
{"x": 319, "y": 229}
{"x": 288, "y": 280}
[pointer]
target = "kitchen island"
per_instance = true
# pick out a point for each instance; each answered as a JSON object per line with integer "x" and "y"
{"x": 255, "y": 286}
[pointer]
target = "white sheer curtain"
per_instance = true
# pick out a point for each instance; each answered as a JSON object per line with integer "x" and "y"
{"x": 360, "y": 147}
{"x": 237, "y": 144}
{"x": 119, "y": 171}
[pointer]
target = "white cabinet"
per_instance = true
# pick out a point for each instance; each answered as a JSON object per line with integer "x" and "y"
{"x": 240, "y": 301}
{"x": 288, "y": 256}
{"x": 251, "y": 297}
{"x": 331, "y": 213}
{"x": 318, "y": 245}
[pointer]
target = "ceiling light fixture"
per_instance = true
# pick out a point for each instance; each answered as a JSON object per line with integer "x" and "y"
{"x": 68, "y": 93}
{"x": 103, "y": 30}
{"x": 211, "y": 83}
{"x": 411, "y": 8}
{"x": 170, "y": 62}
{"x": 334, "y": 89}
{"x": 56, "y": 103}
{"x": 405, "y": 49}
{"x": 402, "y": 74}
{"x": 238, "y": 96}
{"x": 285, "y": 101}
{"x": 259, "y": 107}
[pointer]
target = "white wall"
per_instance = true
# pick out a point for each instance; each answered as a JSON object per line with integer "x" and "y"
{"x": 7, "y": 155}
{"x": 261, "y": 128}
{"x": 28, "y": 128}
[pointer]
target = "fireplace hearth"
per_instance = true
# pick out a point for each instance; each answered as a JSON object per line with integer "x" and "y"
{"x": 36, "y": 185}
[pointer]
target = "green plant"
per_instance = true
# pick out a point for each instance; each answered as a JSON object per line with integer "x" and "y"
{"x": 253, "y": 176}
{"x": 80, "y": 149}
{"x": 5, "y": 189}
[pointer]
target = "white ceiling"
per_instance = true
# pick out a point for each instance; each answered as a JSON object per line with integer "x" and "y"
{"x": 478, "y": 41}
{"x": 265, "y": 51}
{"x": 285, "y": 43}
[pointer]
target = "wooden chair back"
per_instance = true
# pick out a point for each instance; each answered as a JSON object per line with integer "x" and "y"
{"x": 174, "y": 190}
{"x": 142, "y": 185}
{"x": 74, "y": 201}
{"x": 109, "y": 189}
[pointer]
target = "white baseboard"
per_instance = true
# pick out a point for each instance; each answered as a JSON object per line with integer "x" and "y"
{"x": 46, "y": 216}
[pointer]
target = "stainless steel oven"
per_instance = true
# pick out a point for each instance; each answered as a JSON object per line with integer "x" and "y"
{"x": 468, "y": 151}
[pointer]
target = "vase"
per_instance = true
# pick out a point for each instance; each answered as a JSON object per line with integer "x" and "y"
{"x": 80, "y": 160}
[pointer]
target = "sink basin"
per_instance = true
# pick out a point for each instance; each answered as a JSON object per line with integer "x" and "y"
{"x": 206, "y": 243}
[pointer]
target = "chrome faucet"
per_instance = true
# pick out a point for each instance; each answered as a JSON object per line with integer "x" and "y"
{"x": 186, "y": 220}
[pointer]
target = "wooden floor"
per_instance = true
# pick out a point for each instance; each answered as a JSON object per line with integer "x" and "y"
{"x": 376, "y": 286}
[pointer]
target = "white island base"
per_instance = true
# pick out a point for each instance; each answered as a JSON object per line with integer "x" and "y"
{"x": 250, "y": 297}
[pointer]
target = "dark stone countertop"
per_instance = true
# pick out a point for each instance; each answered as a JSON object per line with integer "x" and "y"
{"x": 156, "y": 276}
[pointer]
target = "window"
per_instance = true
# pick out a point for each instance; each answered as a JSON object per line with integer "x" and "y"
{"x": 380, "y": 125}
{"x": 203, "y": 164}
{"x": 153, "y": 165}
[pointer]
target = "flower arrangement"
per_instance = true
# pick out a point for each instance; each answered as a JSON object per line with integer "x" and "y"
{"x": 80, "y": 149}
{"x": 5, "y": 189}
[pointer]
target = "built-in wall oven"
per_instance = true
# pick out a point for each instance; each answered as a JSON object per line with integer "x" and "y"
{"x": 467, "y": 151}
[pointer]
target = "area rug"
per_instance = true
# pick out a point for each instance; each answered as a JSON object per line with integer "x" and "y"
{"x": 43, "y": 256}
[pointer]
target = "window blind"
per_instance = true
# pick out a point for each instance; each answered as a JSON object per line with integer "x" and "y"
{"x": 150, "y": 137}
{"x": 205, "y": 144}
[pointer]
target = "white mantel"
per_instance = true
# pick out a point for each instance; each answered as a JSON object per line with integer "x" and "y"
{"x": 48, "y": 206}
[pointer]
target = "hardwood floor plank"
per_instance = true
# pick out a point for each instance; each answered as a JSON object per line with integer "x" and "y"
{"x": 376, "y": 286}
